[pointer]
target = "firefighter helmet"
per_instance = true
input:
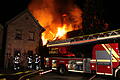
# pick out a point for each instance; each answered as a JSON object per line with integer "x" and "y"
{"x": 36, "y": 55}
{"x": 18, "y": 54}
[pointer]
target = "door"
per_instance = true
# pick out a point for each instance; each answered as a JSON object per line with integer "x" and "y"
{"x": 104, "y": 62}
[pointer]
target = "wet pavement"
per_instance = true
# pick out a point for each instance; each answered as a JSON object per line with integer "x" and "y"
{"x": 19, "y": 75}
{"x": 46, "y": 75}
{"x": 70, "y": 76}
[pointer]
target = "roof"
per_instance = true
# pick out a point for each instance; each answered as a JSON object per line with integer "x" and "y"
{"x": 40, "y": 28}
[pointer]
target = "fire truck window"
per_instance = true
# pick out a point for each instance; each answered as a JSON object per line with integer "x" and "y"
{"x": 103, "y": 55}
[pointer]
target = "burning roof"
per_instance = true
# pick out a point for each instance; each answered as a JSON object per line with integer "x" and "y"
{"x": 57, "y": 16}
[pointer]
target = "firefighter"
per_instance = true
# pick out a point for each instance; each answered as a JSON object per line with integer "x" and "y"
{"x": 17, "y": 62}
{"x": 37, "y": 62}
{"x": 30, "y": 59}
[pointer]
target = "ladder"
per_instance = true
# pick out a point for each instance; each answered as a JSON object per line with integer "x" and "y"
{"x": 86, "y": 38}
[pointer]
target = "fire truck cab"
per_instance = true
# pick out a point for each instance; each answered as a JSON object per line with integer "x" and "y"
{"x": 106, "y": 59}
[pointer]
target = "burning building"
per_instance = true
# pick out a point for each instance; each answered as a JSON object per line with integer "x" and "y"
{"x": 23, "y": 36}
{"x": 57, "y": 16}
{"x": 61, "y": 16}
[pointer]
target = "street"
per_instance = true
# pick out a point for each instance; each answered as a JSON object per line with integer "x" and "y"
{"x": 70, "y": 76}
{"x": 48, "y": 75}
{"x": 22, "y": 75}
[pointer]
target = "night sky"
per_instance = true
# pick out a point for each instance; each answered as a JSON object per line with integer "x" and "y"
{"x": 9, "y": 8}
{"x": 112, "y": 12}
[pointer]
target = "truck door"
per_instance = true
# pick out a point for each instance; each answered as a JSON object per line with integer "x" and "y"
{"x": 104, "y": 62}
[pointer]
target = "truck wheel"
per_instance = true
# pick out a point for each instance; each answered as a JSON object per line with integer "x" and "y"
{"x": 118, "y": 75}
{"x": 62, "y": 70}
{"x": 93, "y": 72}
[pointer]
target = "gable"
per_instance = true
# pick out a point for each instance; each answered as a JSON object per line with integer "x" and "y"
{"x": 26, "y": 17}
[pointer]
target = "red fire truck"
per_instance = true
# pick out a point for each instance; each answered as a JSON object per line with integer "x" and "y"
{"x": 95, "y": 55}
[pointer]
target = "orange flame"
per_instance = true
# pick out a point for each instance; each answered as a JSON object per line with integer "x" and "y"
{"x": 62, "y": 31}
{"x": 60, "y": 34}
{"x": 44, "y": 40}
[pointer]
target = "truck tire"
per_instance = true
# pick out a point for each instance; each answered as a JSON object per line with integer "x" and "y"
{"x": 62, "y": 70}
{"x": 93, "y": 72}
{"x": 118, "y": 75}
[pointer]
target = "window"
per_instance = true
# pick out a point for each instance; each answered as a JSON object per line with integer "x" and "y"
{"x": 103, "y": 55}
{"x": 31, "y": 36}
{"x": 18, "y": 34}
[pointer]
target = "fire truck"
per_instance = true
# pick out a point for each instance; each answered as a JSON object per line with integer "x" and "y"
{"x": 96, "y": 53}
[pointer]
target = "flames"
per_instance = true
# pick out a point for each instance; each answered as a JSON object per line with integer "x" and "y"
{"x": 44, "y": 40}
{"x": 60, "y": 34}
{"x": 57, "y": 16}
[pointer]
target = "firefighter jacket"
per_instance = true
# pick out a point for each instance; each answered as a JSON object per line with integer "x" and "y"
{"x": 29, "y": 59}
{"x": 17, "y": 59}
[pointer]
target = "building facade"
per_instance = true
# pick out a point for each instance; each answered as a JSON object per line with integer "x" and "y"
{"x": 24, "y": 37}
